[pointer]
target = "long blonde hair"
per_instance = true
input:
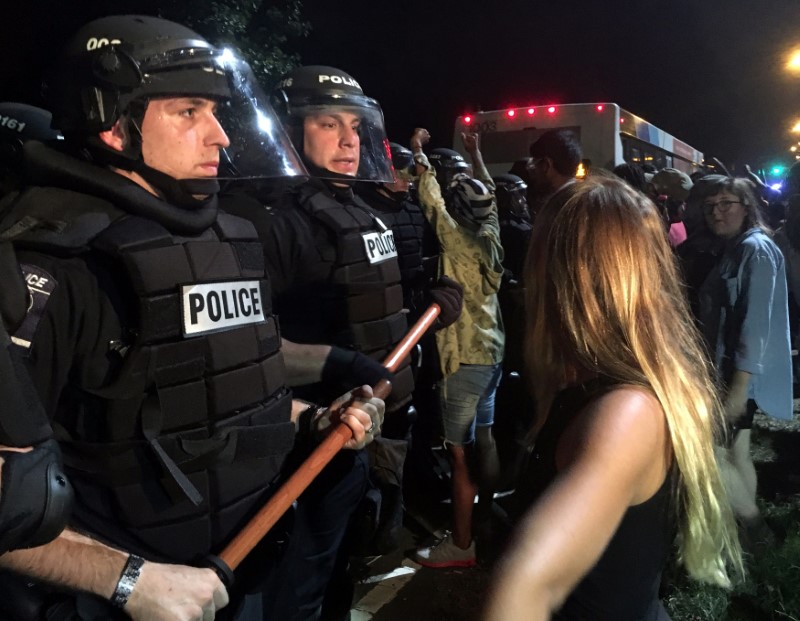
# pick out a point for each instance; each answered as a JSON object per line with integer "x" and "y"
{"x": 603, "y": 295}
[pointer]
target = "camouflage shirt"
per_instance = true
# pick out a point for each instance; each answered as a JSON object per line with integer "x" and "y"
{"x": 474, "y": 259}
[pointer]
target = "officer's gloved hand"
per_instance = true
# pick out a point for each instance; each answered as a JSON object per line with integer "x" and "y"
{"x": 449, "y": 295}
{"x": 353, "y": 368}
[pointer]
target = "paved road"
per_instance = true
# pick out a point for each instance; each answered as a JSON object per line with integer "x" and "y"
{"x": 395, "y": 588}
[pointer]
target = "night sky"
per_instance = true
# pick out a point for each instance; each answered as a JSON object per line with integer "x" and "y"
{"x": 707, "y": 71}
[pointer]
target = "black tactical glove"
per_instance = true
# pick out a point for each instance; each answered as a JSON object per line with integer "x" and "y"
{"x": 352, "y": 368}
{"x": 449, "y": 295}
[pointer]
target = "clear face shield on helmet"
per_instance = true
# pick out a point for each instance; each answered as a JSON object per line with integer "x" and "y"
{"x": 259, "y": 146}
{"x": 254, "y": 145}
{"x": 515, "y": 201}
{"x": 341, "y": 138}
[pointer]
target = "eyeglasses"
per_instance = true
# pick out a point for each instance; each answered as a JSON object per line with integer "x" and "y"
{"x": 723, "y": 206}
{"x": 534, "y": 162}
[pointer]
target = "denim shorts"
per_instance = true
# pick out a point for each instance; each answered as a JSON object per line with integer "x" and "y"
{"x": 467, "y": 400}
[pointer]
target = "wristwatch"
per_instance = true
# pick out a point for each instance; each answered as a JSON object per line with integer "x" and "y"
{"x": 127, "y": 581}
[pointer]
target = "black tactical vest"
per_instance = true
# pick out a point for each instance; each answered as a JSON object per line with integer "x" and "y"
{"x": 515, "y": 235}
{"x": 186, "y": 443}
{"x": 365, "y": 301}
{"x": 406, "y": 222}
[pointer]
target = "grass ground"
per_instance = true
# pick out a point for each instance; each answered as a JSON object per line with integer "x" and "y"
{"x": 771, "y": 590}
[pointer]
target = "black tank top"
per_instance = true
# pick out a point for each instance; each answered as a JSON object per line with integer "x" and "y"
{"x": 623, "y": 585}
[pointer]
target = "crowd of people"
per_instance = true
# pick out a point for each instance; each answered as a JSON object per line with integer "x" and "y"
{"x": 199, "y": 288}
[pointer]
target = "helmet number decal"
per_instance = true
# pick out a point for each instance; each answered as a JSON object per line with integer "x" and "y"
{"x": 9, "y": 122}
{"x": 97, "y": 42}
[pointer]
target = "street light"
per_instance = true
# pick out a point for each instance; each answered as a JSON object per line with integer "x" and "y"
{"x": 793, "y": 63}
{"x": 796, "y": 128}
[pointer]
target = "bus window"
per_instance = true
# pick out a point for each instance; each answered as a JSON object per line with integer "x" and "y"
{"x": 504, "y": 146}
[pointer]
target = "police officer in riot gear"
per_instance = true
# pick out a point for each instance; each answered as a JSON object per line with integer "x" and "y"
{"x": 332, "y": 260}
{"x": 514, "y": 407}
{"x": 417, "y": 255}
{"x": 417, "y": 248}
{"x": 35, "y": 496}
{"x": 515, "y": 221}
{"x": 150, "y": 335}
{"x": 19, "y": 123}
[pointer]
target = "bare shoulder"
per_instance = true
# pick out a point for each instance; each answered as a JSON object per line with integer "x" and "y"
{"x": 630, "y": 407}
{"x": 624, "y": 430}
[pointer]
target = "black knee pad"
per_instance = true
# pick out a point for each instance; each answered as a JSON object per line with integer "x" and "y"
{"x": 35, "y": 499}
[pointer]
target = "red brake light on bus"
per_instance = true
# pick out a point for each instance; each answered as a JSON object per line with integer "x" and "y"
{"x": 600, "y": 108}
{"x": 510, "y": 113}
{"x": 622, "y": 120}
{"x": 531, "y": 111}
{"x": 468, "y": 119}
{"x": 551, "y": 109}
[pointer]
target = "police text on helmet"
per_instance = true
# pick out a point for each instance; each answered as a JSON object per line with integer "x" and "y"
{"x": 339, "y": 79}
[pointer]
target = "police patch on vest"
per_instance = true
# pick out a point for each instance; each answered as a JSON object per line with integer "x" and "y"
{"x": 40, "y": 285}
{"x": 215, "y": 306}
{"x": 379, "y": 246}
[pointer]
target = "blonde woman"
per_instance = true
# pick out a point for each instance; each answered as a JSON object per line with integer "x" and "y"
{"x": 625, "y": 455}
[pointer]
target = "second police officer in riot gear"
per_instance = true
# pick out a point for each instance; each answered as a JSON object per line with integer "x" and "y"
{"x": 35, "y": 496}
{"x": 150, "y": 335}
{"x": 417, "y": 255}
{"x": 333, "y": 261}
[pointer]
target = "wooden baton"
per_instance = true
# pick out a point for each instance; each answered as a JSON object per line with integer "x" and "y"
{"x": 260, "y": 524}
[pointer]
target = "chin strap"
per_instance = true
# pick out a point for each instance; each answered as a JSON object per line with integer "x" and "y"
{"x": 328, "y": 176}
{"x": 178, "y": 192}
{"x": 183, "y": 192}
{"x": 397, "y": 197}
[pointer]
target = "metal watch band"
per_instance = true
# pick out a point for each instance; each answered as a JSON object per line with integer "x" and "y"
{"x": 127, "y": 581}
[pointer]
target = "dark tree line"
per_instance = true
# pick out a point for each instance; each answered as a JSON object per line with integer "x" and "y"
{"x": 264, "y": 31}
{"x": 260, "y": 31}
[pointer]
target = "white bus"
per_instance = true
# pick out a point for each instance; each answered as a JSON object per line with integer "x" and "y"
{"x": 608, "y": 134}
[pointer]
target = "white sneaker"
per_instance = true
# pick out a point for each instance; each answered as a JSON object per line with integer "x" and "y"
{"x": 445, "y": 553}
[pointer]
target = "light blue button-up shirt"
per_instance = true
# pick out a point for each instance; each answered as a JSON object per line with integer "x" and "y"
{"x": 745, "y": 320}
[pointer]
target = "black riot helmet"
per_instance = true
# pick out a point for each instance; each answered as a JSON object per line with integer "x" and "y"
{"x": 511, "y": 193}
{"x": 403, "y": 161}
{"x": 447, "y": 164}
{"x": 114, "y": 66}
{"x": 19, "y": 123}
{"x": 325, "y": 93}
